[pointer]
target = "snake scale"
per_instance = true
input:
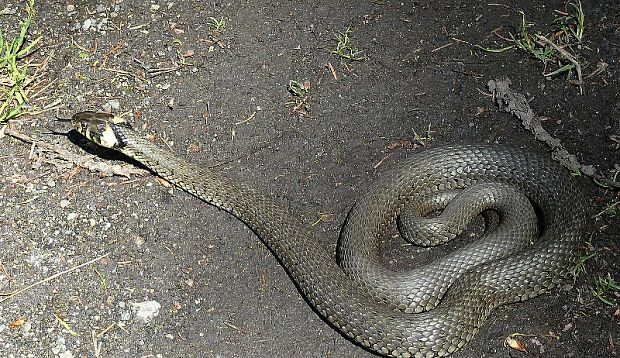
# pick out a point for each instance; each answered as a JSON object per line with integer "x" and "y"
{"x": 357, "y": 298}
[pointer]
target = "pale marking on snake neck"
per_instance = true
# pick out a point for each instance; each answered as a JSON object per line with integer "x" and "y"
{"x": 108, "y": 137}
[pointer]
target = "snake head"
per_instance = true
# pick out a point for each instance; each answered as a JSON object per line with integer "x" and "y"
{"x": 101, "y": 128}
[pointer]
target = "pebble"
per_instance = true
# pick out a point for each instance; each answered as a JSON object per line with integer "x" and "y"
{"x": 87, "y": 24}
{"x": 70, "y": 8}
{"x": 64, "y": 203}
{"x": 65, "y": 354}
{"x": 146, "y": 311}
{"x": 102, "y": 24}
{"x": 111, "y": 106}
{"x": 125, "y": 316}
{"x": 27, "y": 327}
{"x": 71, "y": 216}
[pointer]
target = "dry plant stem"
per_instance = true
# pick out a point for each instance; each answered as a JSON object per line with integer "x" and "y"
{"x": 24, "y": 289}
{"x": 87, "y": 162}
{"x": 567, "y": 56}
{"x": 516, "y": 104}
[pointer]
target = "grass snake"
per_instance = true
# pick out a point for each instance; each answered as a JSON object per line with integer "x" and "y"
{"x": 362, "y": 298}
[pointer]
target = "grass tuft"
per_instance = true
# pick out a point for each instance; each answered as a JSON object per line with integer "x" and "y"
{"x": 606, "y": 287}
{"x": 300, "y": 103}
{"x": 218, "y": 25}
{"x": 14, "y": 78}
{"x": 560, "y": 49}
{"x": 344, "y": 49}
{"x": 424, "y": 139}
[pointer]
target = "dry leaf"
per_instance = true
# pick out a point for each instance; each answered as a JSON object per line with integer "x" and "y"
{"x": 405, "y": 143}
{"x": 515, "y": 344}
{"x": 176, "y": 306}
{"x": 17, "y": 323}
{"x": 193, "y": 148}
{"x": 164, "y": 182}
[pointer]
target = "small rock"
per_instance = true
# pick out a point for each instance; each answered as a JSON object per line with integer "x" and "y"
{"x": 27, "y": 327}
{"x": 125, "y": 316}
{"x": 70, "y": 8}
{"x": 154, "y": 7}
{"x": 146, "y": 311}
{"x": 100, "y": 8}
{"x": 111, "y": 106}
{"x": 64, "y": 203}
{"x": 87, "y": 24}
{"x": 71, "y": 216}
{"x": 138, "y": 240}
{"x": 102, "y": 24}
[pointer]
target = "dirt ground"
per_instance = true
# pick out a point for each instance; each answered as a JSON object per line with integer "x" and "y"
{"x": 221, "y": 98}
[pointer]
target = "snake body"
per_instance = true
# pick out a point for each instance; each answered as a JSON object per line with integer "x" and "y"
{"x": 356, "y": 305}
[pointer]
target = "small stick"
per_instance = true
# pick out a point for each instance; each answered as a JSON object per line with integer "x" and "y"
{"x": 21, "y": 290}
{"x": 381, "y": 161}
{"x": 442, "y": 47}
{"x": 247, "y": 119}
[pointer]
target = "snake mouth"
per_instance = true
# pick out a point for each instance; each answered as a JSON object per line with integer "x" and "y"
{"x": 101, "y": 128}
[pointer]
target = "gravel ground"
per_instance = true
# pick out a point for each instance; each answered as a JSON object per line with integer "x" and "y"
{"x": 174, "y": 277}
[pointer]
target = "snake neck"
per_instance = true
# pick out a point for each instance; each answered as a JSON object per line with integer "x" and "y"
{"x": 276, "y": 226}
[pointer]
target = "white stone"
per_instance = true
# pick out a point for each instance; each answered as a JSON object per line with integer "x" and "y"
{"x": 146, "y": 311}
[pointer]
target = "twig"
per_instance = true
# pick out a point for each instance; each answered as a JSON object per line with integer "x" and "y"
{"x": 247, "y": 119}
{"x": 124, "y": 73}
{"x": 82, "y": 161}
{"x": 607, "y": 209}
{"x": 382, "y": 160}
{"x": 24, "y": 289}
{"x": 95, "y": 336}
{"x": 517, "y": 105}
{"x": 442, "y": 47}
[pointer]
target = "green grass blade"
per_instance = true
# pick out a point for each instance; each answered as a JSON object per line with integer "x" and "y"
{"x": 494, "y": 50}
{"x": 567, "y": 67}
{"x": 22, "y": 36}
{"x": 26, "y": 50}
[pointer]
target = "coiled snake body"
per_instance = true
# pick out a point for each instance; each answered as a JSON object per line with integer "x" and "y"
{"x": 364, "y": 307}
